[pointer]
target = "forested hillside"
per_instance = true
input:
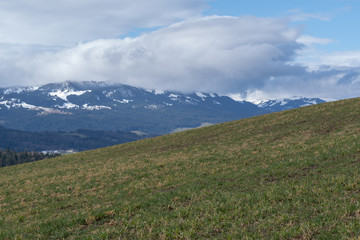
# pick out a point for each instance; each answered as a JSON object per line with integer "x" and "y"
{"x": 9, "y": 157}
{"x": 79, "y": 140}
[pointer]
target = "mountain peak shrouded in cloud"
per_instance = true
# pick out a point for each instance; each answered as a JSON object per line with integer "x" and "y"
{"x": 178, "y": 48}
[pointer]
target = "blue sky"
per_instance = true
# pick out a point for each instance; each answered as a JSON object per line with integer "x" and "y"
{"x": 333, "y": 19}
{"x": 249, "y": 50}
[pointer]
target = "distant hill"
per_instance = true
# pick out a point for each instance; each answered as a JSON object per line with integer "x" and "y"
{"x": 70, "y": 106}
{"x": 79, "y": 140}
{"x": 288, "y": 175}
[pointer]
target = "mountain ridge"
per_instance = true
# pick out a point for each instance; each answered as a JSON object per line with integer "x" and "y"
{"x": 123, "y": 107}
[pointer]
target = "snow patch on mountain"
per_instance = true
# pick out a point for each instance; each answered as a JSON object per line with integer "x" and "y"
{"x": 95, "y": 107}
{"x": 6, "y": 104}
{"x": 48, "y": 111}
{"x": 63, "y": 94}
{"x": 16, "y": 103}
{"x": 158, "y": 92}
{"x": 123, "y": 101}
{"x": 174, "y": 97}
{"x": 68, "y": 105}
{"x": 189, "y": 101}
{"x": 201, "y": 95}
{"x": 290, "y": 102}
{"x": 108, "y": 94}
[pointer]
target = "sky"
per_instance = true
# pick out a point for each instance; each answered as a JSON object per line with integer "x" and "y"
{"x": 249, "y": 50}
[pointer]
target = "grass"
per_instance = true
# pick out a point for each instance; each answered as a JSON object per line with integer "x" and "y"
{"x": 288, "y": 175}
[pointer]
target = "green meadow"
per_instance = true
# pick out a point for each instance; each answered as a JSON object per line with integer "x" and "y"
{"x": 288, "y": 175}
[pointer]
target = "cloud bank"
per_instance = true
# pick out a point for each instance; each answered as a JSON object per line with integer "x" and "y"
{"x": 253, "y": 58}
{"x": 207, "y": 54}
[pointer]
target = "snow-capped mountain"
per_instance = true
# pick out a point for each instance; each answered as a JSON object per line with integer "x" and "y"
{"x": 102, "y": 106}
{"x": 93, "y": 96}
{"x": 288, "y": 103}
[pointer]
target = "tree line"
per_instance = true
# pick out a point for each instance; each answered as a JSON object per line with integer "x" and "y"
{"x": 9, "y": 157}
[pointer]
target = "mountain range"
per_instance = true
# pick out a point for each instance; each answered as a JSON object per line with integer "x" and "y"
{"x": 69, "y": 106}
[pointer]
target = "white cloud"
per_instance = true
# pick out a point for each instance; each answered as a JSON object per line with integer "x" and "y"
{"x": 309, "y": 40}
{"x": 337, "y": 59}
{"x": 68, "y": 21}
{"x": 253, "y": 58}
{"x": 325, "y": 82}
{"x": 215, "y": 53}
{"x": 299, "y": 15}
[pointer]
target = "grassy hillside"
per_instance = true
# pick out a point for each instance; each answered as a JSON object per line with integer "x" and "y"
{"x": 294, "y": 174}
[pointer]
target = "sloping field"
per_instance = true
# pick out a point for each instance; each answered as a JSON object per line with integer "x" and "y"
{"x": 288, "y": 175}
